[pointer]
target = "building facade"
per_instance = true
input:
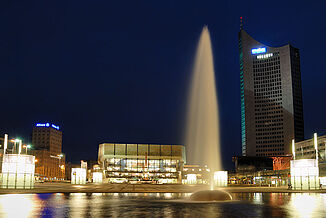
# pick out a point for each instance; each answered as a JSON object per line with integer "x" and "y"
{"x": 307, "y": 150}
{"x": 195, "y": 174}
{"x": 313, "y": 149}
{"x": 271, "y": 97}
{"x": 141, "y": 162}
{"x": 47, "y": 143}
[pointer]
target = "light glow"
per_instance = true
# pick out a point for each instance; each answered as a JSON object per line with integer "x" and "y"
{"x": 303, "y": 205}
{"x": 221, "y": 178}
{"x": 191, "y": 179}
{"x": 18, "y": 171}
{"x": 304, "y": 174}
{"x": 293, "y": 149}
{"x": 97, "y": 177}
{"x": 5, "y": 143}
{"x": 316, "y": 145}
{"x": 78, "y": 176}
{"x": 18, "y": 205}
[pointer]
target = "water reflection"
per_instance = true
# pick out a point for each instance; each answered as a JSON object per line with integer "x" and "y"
{"x": 77, "y": 204}
{"x": 161, "y": 204}
{"x": 16, "y": 205}
{"x": 306, "y": 205}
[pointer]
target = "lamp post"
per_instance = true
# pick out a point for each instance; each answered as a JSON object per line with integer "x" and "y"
{"x": 20, "y": 146}
{"x": 14, "y": 141}
{"x": 60, "y": 156}
{"x": 26, "y": 147}
{"x": 5, "y": 144}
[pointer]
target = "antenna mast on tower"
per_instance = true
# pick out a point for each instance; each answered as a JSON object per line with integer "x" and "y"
{"x": 241, "y": 23}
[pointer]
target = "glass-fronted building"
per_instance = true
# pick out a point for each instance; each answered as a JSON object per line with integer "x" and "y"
{"x": 141, "y": 163}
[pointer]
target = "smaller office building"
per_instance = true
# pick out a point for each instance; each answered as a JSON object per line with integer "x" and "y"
{"x": 141, "y": 163}
{"x": 306, "y": 149}
{"x": 310, "y": 156}
{"x": 49, "y": 160}
{"x": 195, "y": 174}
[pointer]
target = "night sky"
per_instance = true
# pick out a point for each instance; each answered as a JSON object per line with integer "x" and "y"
{"x": 118, "y": 71}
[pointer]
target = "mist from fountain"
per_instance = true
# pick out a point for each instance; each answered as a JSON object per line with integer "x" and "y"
{"x": 202, "y": 127}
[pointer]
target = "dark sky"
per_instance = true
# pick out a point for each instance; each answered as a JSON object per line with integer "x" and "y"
{"x": 117, "y": 71}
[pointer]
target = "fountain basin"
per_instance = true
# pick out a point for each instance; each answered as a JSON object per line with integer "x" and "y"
{"x": 211, "y": 195}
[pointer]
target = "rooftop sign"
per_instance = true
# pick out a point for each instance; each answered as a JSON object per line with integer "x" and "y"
{"x": 258, "y": 50}
{"x": 47, "y": 125}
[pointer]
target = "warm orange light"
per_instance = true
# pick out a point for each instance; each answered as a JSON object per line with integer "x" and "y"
{"x": 36, "y": 160}
{"x": 62, "y": 167}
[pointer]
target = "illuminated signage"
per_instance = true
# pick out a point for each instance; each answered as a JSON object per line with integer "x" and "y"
{"x": 265, "y": 56}
{"x": 258, "y": 50}
{"x": 47, "y": 125}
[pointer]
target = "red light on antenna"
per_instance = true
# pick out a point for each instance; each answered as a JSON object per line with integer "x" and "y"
{"x": 241, "y": 18}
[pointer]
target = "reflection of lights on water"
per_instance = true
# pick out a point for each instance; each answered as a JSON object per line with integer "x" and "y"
{"x": 258, "y": 198}
{"x": 96, "y": 204}
{"x": 77, "y": 203}
{"x": 187, "y": 194}
{"x": 97, "y": 194}
{"x": 302, "y": 205}
{"x": 16, "y": 205}
{"x": 77, "y": 194}
{"x": 167, "y": 195}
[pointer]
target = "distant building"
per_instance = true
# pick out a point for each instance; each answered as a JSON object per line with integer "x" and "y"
{"x": 195, "y": 174}
{"x": 306, "y": 149}
{"x": 141, "y": 162}
{"x": 282, "y": 162}
{"x": 47, "y": 143}
{"x": 68, "y": 168}
{"x": 252, "y": 164}
{"x": 271, "y": 97}
{"x": 262, "y": 171}
{"x": 89, "y": 165}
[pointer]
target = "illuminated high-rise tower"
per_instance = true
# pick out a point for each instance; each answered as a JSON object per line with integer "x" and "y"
{"x": 271, "y": 97}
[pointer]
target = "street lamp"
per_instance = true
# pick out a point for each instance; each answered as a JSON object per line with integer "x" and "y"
{"x": 20, "y": 146}
{"x": 14, "y": 141}
{"x": 60, "y": 156}
{"x": 27, "y": 147}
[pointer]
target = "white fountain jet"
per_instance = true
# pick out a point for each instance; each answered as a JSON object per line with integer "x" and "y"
{"x": 202, "y": 130}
